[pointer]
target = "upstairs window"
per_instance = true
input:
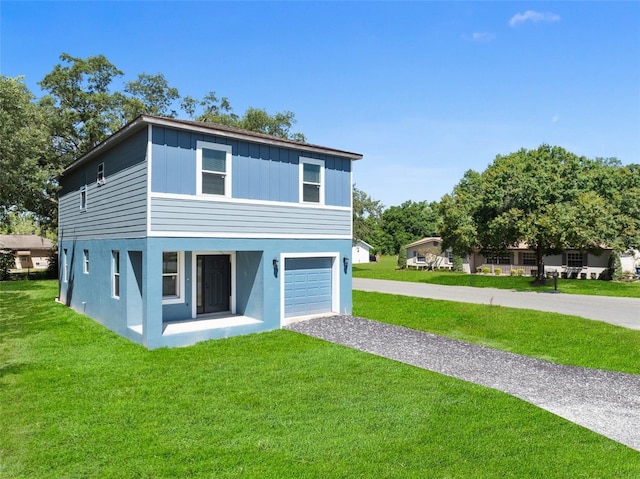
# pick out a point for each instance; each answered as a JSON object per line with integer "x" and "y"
{"x": 100, "y": 176}
{"x": 83, "y": 198}
{"x": 311, "y": 180}
{"x": 214, "y": 169}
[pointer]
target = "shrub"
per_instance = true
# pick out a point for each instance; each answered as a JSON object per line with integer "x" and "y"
{"x": 514, "y": 272}
{"x": 7, "y": 262}
{"x": 486, "y": 270}
{"x": 497, "y": 271}
{"x": 615, "y": 267}
{"x": 479, "y": 269}
{"x": 520, "y": 272}
{"x": 458, "y": 264}
{"x": 402, "y": 258}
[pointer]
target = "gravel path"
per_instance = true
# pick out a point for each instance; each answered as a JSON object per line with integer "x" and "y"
{"x": 604, "y": 401}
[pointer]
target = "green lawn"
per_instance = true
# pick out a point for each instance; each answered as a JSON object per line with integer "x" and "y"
{"x": 79, "y": 401}
{"x": 386, "y": 269}
{"x": 550, "y": 336}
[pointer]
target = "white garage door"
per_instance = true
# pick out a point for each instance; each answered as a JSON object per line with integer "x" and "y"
{"x": 307, "y": 286}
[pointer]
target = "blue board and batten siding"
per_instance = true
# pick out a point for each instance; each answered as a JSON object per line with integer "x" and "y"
{"x": 259, "y": 172}
{"x": 115, "y": 209}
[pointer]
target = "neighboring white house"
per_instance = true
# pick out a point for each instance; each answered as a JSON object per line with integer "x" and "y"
{"x": 360, "y": 252}
{"x": 427, "y": 254}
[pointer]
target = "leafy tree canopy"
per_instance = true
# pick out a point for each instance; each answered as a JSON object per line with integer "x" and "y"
{"x": 367, "y": 214}
{"x": 408, "y": 222}
{"x": 25, "y": 151}
{"x": 549, "y": 198}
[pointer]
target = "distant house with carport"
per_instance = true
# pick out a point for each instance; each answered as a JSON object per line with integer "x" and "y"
{"x": 427, "y": 253}
{"x": 31, "y": 251}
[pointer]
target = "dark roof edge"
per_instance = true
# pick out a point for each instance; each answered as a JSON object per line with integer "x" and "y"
{"x": 207, "y": 128}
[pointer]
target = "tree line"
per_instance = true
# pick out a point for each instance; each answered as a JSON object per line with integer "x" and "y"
{"x": 548, "y": 198}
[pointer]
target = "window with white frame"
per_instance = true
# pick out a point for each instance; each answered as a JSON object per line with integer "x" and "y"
{"x": 311, "y": 180}
{"x": 450, "y": 256}
{"x": 100, "y": 176}
{"x": 172, "y": 274}
{"x": 529, "y": 259}
{"x": 214, "y": 169}
{"x": 574, "y": 260}
{"x": 65, "y": 265}
{"x": 499, "y": 258}
{"x": 83, "y": 198}
{"x": 115, "y": 273}
{"x": 85, "y": 258}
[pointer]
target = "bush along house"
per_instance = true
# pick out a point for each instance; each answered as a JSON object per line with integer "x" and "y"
{"x": 173, "y": 232}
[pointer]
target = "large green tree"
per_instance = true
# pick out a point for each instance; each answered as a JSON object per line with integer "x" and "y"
{"x": 406, "y": 223}
{"x": 26, "y": 167}
{"x": 367, "y": 217}
{"x": 548, "y": 198}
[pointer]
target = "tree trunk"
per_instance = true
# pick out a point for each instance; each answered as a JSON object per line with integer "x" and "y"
{"x": 540, "y": 277}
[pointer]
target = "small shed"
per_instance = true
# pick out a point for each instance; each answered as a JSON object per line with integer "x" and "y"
{"x": 360, "y": 252}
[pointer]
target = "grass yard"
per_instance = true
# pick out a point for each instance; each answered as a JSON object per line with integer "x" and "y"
{"x": 386, "y": 269}
{"x": 79, "y": 401}
{"x": 551, "y": 336}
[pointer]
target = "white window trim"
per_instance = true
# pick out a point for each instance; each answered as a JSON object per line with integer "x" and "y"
{"x": 114, "y": 274}
{"x": 85, "y": 261}
{"x": 100, "y": 174}
{"x": 83, "y": 198}
{"x": 311, "y": 161}
{"x": 180, "y": 298}
{"x": 65, "y": 266}
{"x": 228, "y": 160}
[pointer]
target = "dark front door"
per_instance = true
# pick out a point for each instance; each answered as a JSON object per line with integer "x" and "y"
{"x": 214, "y": 283}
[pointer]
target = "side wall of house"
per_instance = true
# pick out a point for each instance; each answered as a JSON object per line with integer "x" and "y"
{"x": 117, "y": 207}
{"x": 87, "y": 284}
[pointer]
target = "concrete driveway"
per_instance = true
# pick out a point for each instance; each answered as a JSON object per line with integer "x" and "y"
{"x": 619, "y": 311}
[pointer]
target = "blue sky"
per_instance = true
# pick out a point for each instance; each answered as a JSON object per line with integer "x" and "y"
{"x": 424, "y": 90}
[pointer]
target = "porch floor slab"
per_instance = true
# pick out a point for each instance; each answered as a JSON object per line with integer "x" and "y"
{"x": 206, "y": 324}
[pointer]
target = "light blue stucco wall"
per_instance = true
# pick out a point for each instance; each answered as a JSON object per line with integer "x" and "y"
{"x": 139, "y": 313}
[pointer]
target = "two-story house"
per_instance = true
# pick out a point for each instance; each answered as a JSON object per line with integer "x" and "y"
{"x": 173, "y": 232}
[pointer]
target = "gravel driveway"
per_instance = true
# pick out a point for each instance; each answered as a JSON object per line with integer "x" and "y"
{"x": 604, "y": 401}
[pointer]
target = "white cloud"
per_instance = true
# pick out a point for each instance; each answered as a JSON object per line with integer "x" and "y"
{"x": 555, "y": 118}
{"x": 532, "y": 16}
{"x": 481, "y": 37}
